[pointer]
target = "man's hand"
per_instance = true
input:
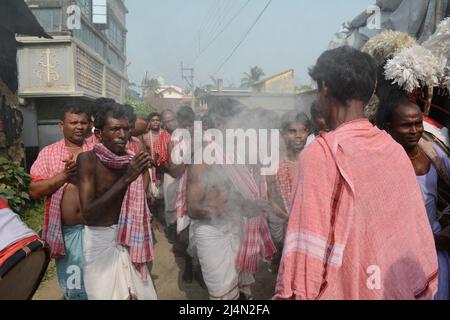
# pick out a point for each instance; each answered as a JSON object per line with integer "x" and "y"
{"x": 70, "y": 168}
{"x": 137, "y": 166}
{"x": 255, "y": 208}
{"x": 154, "y": 160}
{"x": 265, "y": 206}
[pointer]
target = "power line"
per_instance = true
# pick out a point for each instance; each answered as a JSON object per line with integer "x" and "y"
{"x": 213, "y": 16}
{"x": 208, "y": 18}
{"x": 220, "y": 20}
{"x": 221, "y": 31}
{"x": 243, "y": 39}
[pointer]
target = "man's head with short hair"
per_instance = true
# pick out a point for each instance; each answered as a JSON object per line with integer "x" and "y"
{"x": 295, "y": 129}
{"x": 344, "y": 75}
{"x": 112, "y": 127}
{"x": 74, "y": 109}
{"x": 186, "y": 117}
{"x": 99, "y": 104}
{"x": 223, "y": 112}
{"x": 74, "y": 123}
{"x": 130, "y": 113}
{"x": 206, "y": 122}
{"x": 140, "y": 126}
{"x": 318, "y": 118}
{"x": 400, "y": 117}
{"x": 169, "y": 121}
{"x": 154, "y": 121}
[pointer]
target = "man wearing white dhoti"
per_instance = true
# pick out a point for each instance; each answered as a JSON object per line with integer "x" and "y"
{"x": 117, "y": 241}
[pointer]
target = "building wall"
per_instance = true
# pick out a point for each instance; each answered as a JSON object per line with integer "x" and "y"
{"x": 278, "y": 103}
{"x": 109, "y": 41}
{"x": 85, "y": 64}
{"x": 283, "y": 83}
{"x": 171, "y": 94}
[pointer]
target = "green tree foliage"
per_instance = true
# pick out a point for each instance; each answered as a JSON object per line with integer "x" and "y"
{"x": 252, "y": 77}
{"x": 303, "y": 88}
{"x": 141, "y": 108}
{"x": 14, "y": 185}
{"x": 150, "y": 86}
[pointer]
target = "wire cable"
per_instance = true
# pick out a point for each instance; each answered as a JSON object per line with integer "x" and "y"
{"x": 221, "y": 31}
{"x": 243, "y": 39}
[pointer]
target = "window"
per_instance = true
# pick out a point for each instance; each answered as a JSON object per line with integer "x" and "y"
{"x": 89, "y": 37}
{"x": 49, "y": 18}
{"x": 86, "y": 8}
{"x": 115, "y": 60}
{"x": 116, "y": 35}
{"x": 99, "y": 12}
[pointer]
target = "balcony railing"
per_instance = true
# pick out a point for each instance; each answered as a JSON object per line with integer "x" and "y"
{"x": 65, "y": 66}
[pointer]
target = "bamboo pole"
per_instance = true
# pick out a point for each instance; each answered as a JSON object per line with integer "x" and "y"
{"x": 438, "y": 13}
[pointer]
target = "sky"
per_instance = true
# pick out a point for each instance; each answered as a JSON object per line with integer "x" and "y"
{"x": 291, "y": 34}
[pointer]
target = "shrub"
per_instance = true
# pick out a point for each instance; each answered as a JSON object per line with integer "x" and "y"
{"x": 141, "y": 108}
{"x": 14, "y": 184}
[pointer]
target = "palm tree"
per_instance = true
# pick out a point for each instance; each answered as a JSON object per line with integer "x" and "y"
{"x": 252, "y": 77}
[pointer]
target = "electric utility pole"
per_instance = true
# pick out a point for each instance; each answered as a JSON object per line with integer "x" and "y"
{"x": 187, "y": 74}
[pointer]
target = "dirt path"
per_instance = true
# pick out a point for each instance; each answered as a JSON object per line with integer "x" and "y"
{"x": 166, "y": 274}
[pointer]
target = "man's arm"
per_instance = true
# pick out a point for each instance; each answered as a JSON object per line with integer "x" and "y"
{"x": 275, "y": 199}
{"x": 175, "y": 170}
{"x": 142, "y": 148}
{"x": 91, "y": 207}
{"x": 44, "y": 188}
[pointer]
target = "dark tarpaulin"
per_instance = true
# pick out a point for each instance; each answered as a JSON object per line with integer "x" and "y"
{"x": 415, "y": 17}
{"x": 15, "y": 18}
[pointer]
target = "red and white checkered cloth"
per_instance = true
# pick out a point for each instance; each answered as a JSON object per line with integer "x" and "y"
{"x": 180, "y": 196}
{"x": 285, "y": 182}
{"x": 48, "y": 164}
{"x": 134, "y": 221}
{"x": 92, "y": 140}
{"x": 357, "y": 206}
{"x": 157, "y": 149}
{"x": 257, "y": 242}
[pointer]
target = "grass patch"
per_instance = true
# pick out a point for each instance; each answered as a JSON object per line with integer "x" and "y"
{"x": 34, "y": 218}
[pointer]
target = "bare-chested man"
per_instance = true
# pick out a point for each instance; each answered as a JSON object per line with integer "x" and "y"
{"x": 221, "y": 210}
{"x": 54, "y": 176}
{"x": 117, "y": 242}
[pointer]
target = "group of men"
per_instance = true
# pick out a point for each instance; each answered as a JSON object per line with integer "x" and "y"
{"x": 343, "y": 218}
